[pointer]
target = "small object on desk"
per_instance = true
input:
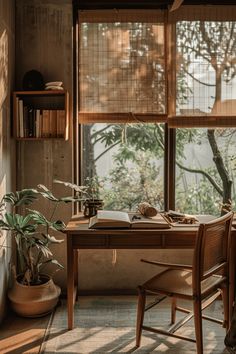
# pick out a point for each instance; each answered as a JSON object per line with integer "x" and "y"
{"x": 189, "y": 219}
{"x": 106, "y": 219}
{"x": 147, "y": 209}
{"x": 91, "y": 206}
{"x": 174, "y": 216}
{"x": 135, "y": 217}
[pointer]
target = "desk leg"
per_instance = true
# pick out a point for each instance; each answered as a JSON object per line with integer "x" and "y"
{"x": 70, "y": 282}
{"x": 230, "y": 341}
{"x": 232, "y": 272}
{"x": 76, "y": 274}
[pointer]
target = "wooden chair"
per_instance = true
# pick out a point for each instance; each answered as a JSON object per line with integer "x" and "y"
{"x": 200, "y": 283}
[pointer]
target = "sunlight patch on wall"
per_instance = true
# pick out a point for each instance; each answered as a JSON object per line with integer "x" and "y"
{"x": 3, "y": 66}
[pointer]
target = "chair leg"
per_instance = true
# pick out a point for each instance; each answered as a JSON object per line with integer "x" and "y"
{"x": 173, "y": 310}
{"x": 140, "y": 314}
{"x": 225, "y": 298}
{"x": 198, "y": 325}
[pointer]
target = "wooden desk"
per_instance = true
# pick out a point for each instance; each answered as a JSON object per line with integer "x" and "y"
{"x": 80, "y": 237}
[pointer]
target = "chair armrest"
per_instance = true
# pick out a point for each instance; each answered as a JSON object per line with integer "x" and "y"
{"x": 168, "y": 265}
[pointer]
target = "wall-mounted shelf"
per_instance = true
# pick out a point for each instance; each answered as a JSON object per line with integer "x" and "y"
{"x": 40, "y": 115}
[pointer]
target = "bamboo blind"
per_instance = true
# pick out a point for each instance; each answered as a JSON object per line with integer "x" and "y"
{"x": 122, "y": 66}
{"x": 126, "y": 55}
{"x": 206, "y": 64}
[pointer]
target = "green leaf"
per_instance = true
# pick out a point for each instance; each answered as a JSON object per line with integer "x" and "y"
{"x": 46, "y": 193}
{"x": 80, "y": 189}
{"x": 44, "y": 249}
{"x": 52, "y": 239}
{"x": 4, "y": 225}
{"x": 54, "y": 261}
{"x": 10, "y": 220}
{"x": 70, "y": 199}
{"x": 38, "y": 217}
{"x": 58, "y": 225}
{"x": 9, "y": 198}
{"x": 23, "y": 197}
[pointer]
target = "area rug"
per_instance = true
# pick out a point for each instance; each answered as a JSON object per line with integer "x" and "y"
{"x": 106, "y": 324}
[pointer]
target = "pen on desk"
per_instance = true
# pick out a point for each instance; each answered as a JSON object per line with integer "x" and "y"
{"x": 136, "y": 217}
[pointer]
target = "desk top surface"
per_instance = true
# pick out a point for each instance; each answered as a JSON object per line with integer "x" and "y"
{"x": 79, "y": 225}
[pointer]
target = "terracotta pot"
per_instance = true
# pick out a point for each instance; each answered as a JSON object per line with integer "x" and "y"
{"x": 92, "y": 206}
{"x": 34, "y": 300}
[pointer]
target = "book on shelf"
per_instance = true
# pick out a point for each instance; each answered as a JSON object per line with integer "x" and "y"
{"x": 53, "y": 123}
{"x": 25, "y": 122}
{"x": 30, "y": 121}
{"x": 17, "y": 117}
{"x": 61, "y": 123}
{"x": 120, "y": 219}
{"x": 39, "y": 123}
{"x": 45, "y": 123}
{"x": 21, "y": 118}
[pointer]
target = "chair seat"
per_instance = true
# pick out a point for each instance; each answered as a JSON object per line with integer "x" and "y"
{"x": 179, "y": 283}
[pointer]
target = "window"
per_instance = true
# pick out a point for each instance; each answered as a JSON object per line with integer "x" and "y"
{"x": 205, "y": 97}
{"x": 205, "y": 169}
{"x": 137, "y": 71}
{"x": 122, "y": 104}
{"x": 129, "y": 160}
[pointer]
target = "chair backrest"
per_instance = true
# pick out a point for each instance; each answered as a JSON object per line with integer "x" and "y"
{"x": 212, "y": 248}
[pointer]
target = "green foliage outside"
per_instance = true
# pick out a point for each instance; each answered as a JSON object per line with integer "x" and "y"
{"x": 138, "y": 149}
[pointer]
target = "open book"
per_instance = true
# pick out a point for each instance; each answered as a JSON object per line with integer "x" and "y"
{"x": 120, "y": 219}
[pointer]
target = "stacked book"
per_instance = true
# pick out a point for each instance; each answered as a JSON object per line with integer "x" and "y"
{"x": 54, "y": 85}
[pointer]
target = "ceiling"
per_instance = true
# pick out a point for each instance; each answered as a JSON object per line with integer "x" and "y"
{"x": 143, "y": 4}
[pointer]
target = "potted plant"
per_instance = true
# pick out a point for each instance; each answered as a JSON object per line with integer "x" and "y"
{"x": 89, "y": 194}
{"x": 33, "y": 292}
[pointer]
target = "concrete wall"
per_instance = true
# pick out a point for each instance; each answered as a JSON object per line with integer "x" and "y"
{"x": 44, "y": 43}
{"x": 7, "y": 145}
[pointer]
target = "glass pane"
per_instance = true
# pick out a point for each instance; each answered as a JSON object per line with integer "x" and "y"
{"x": 128, "y": 161}
{"x": 122, "y": 67}
{"x": 205, "y": 170}
{"x": 206, "y": 56}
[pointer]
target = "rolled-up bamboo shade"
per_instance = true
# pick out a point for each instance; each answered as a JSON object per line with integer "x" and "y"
{"x": 121, "y": 15}
{"x": 122, "y": 66}
{"x": 85, "y": 118}
{"x": 202, "y": 121}
{"x": 203, "y": 13}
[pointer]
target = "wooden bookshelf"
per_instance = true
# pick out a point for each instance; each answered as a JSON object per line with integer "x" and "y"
{"x": 40, "y": 115}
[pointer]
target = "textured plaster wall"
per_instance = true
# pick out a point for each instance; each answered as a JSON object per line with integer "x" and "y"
{"x": 7, "y": 146}
{"x": 44, "y": 43}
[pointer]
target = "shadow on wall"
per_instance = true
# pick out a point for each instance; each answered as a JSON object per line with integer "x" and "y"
{"x": 3, "y": 66}
{"x": 3, "y": 86}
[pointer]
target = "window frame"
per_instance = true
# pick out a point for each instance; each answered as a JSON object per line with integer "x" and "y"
{"x": 170, "y": 119}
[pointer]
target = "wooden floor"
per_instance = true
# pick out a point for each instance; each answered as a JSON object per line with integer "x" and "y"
{"x": 20, "y": 335}
{"x": 104, "y": 324}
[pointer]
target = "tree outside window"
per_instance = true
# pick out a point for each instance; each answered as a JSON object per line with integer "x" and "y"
{"x": 129, "y": 158}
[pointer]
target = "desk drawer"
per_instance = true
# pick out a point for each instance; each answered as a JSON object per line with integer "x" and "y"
{"x": 179, "y": 241}
{"x": 135, "y": 241}
{"x": 91, "y": 242}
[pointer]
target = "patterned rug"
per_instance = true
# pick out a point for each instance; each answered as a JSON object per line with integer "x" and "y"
{"x": 106, "y": 324}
